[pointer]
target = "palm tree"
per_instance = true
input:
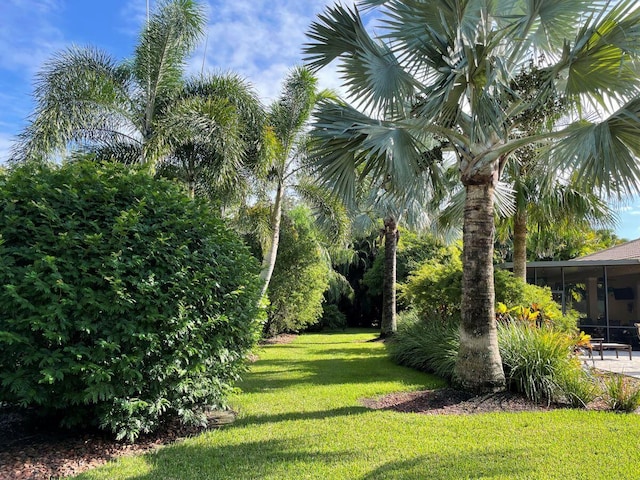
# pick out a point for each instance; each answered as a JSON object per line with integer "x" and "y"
{"x": 541, "y": 197}
{"x": 137, "y": 111}
{"x": 219, "y": 167}
{"x": 443, "y": 69}
{"x": 546, "y": 207}
{"x": 285, "y": 169}
{"x": 377, "y": 199}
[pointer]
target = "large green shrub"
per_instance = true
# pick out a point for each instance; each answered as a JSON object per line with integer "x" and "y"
{"x": 300, "y": 277}
{"x": 435, "y": 287}
{"x": 413, "y": 250}
{"x": 331, "y": 319}
{"x": 122, "y": 301}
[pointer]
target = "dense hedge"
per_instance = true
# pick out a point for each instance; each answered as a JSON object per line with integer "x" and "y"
{"x": 122, "y": 301}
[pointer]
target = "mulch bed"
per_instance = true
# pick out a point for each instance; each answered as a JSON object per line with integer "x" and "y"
{"x": 447, "y": 401}
{"x": 33, "y": 449}
{"x": 279, "y": 339}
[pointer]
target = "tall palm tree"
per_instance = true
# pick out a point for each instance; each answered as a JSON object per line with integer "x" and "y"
{"x": 140, "y": 110}
{"x": 545, "y": 207}
{"x": 443, "y": 69}
{"x": 286, "y": 167}
{"x": 377, "y": 199}
{"x": 541, "y": 197}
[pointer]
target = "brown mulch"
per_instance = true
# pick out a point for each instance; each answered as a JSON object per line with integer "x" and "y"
{"x": 33, "y": 449}
{"x": 279, "y": 339}
{"x": 448, "y": 401}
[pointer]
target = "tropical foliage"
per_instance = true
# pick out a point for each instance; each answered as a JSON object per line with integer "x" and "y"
{"x": 286, "y": 168}
{"x": 443, "y": 71}
{"x": 300, "y": 277}
{"x": 539, "y": 363}
{"x": 145, "y": 110}
{"x": 621, "y": 393}
{"x": 123, "y": 301}
{"x": 429, "y": 345}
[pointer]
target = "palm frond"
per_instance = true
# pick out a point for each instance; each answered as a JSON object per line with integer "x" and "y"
{"x": 601, "y": 60}
{"x": 339, "y": 287}
{"x": 207, "y": 121}
{"x": 292, "y": 110}
{"x": 544, "y": 24}
{"x": 349, "y": 144}
{"x": 81, "y": 96}
{"x": 373, "y": 75}
{"x": 161, "y": 54}
{"x": 329, "y": 212}
{"x": 605, "y": 154}
{"x": 335, "y": 33}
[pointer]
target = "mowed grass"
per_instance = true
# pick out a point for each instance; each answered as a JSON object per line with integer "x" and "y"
{"x": 300, "y": 418}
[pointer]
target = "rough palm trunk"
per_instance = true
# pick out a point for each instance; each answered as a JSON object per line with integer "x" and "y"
{"x": 269, "y": 261}
{"x": 520, "y": 244}
{"x": 191, "y": 177}
{"x": 479, "y": 366}
{"x": 388, "y": 325}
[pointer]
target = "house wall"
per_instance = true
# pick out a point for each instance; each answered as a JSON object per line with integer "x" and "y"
{"x": 606, "y": 297}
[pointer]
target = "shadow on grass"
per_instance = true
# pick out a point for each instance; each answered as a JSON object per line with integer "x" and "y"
{"x": 292, "y": 416}
{"x": 246, "y": 460}
{"x": 470, "y": 463}
{"x": 338, "y": 370}
{"x": 291, "y": 458}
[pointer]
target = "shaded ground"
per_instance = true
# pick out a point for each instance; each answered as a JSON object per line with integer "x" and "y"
{"x": 279, "y": 339}
{"x": 33, "y": 449}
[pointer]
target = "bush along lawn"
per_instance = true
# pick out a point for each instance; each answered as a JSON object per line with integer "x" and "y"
{"x": 300, "y": 417}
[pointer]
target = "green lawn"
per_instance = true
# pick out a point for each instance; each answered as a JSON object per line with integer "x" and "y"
{"x": 300, "y": 418}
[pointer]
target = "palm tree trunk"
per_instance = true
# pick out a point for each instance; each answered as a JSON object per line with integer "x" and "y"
{"x": 388, "y": 325}
{"x": 520, "y": 244}
{"x": 191, "y": 176}
{"x": 269, "y": 262}
{"x": 479, "y": 366}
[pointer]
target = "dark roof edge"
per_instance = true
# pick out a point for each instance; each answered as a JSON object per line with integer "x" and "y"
{"x": 577, "y": 263}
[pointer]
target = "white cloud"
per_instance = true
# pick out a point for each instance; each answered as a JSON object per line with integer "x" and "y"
{"x": 28, "y": 35}
{"x": 134, "y": 16}
{"x": 261, "y": 40}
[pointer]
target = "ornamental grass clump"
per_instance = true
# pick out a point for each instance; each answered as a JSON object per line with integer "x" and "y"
{"x": 622, "y": 393}
{"x": 122, "y": 301}
{"x": 426, "y": 344}
{"x": 539, "y": 363}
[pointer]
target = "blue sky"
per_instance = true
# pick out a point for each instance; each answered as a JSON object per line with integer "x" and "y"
{"x": 259, "y": 39}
